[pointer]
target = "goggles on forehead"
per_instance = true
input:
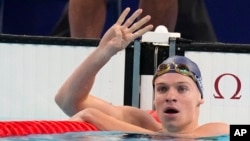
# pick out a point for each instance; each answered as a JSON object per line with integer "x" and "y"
{"x": 179, "y": 68}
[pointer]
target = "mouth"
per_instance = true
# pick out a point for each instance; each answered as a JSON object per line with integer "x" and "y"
{"x": 171, "y": 110}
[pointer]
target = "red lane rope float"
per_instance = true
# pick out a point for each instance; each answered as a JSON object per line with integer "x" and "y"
{"x": 21, "y": 128}
{"x": 154, "y": 115}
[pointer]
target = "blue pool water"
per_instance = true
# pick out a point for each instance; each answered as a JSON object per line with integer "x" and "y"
{"x": 105, "y": 136}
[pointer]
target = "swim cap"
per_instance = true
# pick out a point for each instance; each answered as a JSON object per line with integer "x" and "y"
{"x": 181, "y": 65}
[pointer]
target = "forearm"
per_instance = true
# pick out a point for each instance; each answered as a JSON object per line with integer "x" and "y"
{"x": 73, "y": 95}
{"x": 75, "y": 90}
{"x": 105, "y": 122}
{"x": 111, "y": 124}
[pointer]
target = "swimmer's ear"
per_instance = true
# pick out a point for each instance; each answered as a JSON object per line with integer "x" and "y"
{"x": 201, "y": 101}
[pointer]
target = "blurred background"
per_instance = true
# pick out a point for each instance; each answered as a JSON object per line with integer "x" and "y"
{"x": 230, "y": 19}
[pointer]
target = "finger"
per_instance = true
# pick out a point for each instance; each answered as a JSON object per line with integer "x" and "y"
{"x": 123, "y": 16}
{"x": 132, "y": 18}
{"x": 142, "y": 31}
{"x": 139, "y": 24}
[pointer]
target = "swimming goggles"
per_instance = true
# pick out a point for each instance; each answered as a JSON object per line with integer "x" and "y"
{"x": 179, "y": 68}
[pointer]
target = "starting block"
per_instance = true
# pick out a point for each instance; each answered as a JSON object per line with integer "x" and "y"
{"x": 160, "y": 36}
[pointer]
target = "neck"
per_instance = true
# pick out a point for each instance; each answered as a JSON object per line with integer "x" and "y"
{"x": 184, "y": 127}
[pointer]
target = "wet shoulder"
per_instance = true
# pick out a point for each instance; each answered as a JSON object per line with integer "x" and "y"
{"x": 213, "y": 129}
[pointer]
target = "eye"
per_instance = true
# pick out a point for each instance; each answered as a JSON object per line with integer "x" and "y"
{"x": 161, "y": 89}
{"x": 182, "y": 89}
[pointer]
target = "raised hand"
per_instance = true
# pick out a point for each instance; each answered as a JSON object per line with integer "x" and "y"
{"x": 123, "y": 32}
{"x": 74, "y": 95}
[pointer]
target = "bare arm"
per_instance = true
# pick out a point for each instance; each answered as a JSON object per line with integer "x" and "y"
{"x": 108, "y": 123}
{"x": 74, "y": 96}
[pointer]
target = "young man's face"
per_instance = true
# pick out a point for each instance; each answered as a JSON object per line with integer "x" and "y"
{"x": 177, "y": 101}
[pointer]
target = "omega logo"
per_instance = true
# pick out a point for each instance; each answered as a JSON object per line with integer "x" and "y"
{"x": 236, "y": 94}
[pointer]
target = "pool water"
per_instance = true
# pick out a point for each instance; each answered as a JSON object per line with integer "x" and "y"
{"x": 105, "y": 136}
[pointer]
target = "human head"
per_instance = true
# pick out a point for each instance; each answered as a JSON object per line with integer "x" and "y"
{"x": 181, "y": 65}
{"x": 178, "y": 94}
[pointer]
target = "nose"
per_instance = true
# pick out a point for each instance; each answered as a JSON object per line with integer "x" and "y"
{"x": 170, "y": 100}
{"x": 171, "y": 96}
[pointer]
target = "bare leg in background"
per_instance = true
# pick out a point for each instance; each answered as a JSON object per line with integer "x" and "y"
{"x": 87, "y": 18}
{"x": 163, "y": 12}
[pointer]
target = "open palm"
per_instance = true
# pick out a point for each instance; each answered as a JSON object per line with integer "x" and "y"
{"x": 123, "y": 32}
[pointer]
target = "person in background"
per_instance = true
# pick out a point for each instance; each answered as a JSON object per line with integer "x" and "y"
{"x": 86, "y": 18}
{"x": 177, "y": 88}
